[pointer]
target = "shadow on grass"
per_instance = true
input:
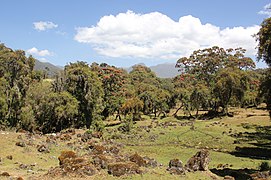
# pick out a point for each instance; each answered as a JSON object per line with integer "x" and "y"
{"x": 240, "y": 174}
{"x": 260, "y": 139}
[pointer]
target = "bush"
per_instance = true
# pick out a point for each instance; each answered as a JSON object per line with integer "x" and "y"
{"x": 265, "y": 166}
{"x": 89, "y": 131}
{"x": 98, "y": 126}
{"x": 127, "y": 125}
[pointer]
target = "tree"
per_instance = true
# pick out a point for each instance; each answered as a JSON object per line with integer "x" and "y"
{"x": 264, "y": 53}
{"x": 16, "y": 75}
{"x": 86, "y": 87}
{"x": 264, "y": 39}
{"x": 230, "y": 84}
{"x": 204, "y": 64}
{"x": 265, "y": 90}
{"x": 113, "y": 82}
{"x": 205, "y": 68}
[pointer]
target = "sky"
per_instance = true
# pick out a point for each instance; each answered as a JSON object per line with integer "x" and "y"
{"x": 127, "y": 32}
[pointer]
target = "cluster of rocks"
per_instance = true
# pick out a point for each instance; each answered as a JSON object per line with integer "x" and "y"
{"x": 105, "y": 156}
{"x": 199, "y": 162}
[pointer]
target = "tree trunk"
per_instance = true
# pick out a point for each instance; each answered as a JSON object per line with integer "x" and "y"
{"x": 175, "y": 114}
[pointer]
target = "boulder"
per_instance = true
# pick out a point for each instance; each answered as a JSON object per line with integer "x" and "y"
{"x": 199, "y": 162}
{"x": 66, "y": 155}
{"x": 137, "y": 159}
{"x": 101, "y": 161}
{"x": 122, "y": 168}
{"x": 175, "y": 166}
{"x": 150, "y": 162}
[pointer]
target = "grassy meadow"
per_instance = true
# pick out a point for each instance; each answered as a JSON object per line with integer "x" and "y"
{"x": 233, "y": 143}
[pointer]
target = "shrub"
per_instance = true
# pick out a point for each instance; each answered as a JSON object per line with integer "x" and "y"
{"x": 265, "y": 166}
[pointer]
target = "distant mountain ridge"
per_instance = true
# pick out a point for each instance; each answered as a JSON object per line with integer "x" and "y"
{"x": 166, "y": 70}
{"x": 48, "y": 67}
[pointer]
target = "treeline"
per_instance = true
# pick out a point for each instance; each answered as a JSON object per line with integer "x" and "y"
{"x": 84, "y": 95}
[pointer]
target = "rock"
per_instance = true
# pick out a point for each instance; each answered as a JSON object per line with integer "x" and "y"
{"x": 101, "y": 161}
{"x": 10, "y": 157}
{"x": 114, "y": 150}
{"x": 43, "y": 148}
{"x": 85, "y": 137}
{"x": 66, "y": 155}
{"x": 65, "y": 137}
{"x": 5, "y": 174}
{"x": 150, "y": 162}
{"x": 72, "y": 165}
{"x": 122, "y": 168}
{"x": 137, "y": 159}
{"x": 20, "y": 143}
{"x": 23, "y": 166}
{"x": 199, "y": 162}
{"x": 89, "y": 170}
{"x": 97, "y": 149}
{"x": 261, "y": 175}
{"x": 175, "y": 166}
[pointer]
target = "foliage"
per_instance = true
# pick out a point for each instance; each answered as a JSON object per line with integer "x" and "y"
{"x": 86, "y": 87}
{"x": 230, "y": 83}
{"x": 264, "y": 53}
{"x": 264, "y": 39}
{"x": 265, "y": 89}
{"x": 113, "y": 82}
{"x": 57, "y": 112}
{"x": 15, "y": 76}
{"x": 212, "y": 77}
{"x": 265, "y": 166}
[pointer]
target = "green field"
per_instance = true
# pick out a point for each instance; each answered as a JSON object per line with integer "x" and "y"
{"x": 161, "y": 139}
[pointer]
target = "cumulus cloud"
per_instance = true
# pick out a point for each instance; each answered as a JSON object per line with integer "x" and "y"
{"x": 35, "y": 52}
{"x": 155, "y": 35}
{"x": 266, "y": 10}
{"x": 44, "y": 25}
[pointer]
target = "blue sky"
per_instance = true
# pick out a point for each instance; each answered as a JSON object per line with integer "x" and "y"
{"x": 126, "y": 32}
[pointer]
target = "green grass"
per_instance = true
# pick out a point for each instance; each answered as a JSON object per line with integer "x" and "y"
{"x": 161, "y": 143}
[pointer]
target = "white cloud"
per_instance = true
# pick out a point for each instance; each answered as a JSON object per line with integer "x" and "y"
{"x": 266, "y": 10}
{"x": 155, "y": 35}
{"x": 35, "y": 52}
{"x": 44, "y": 25}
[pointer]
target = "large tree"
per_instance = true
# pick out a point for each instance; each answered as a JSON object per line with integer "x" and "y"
{"x": 264, "y": 39}
{"x": 113, "y": 82}
{"x": 264, "y": 53}
{"x": 205, "y": 69}
{"x": 86, "y": 87}
{"x": 15, "y": 76}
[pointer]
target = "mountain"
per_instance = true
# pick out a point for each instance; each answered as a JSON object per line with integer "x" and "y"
{"x": 46, "y": 66}
{"x": 166, "y": 70}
